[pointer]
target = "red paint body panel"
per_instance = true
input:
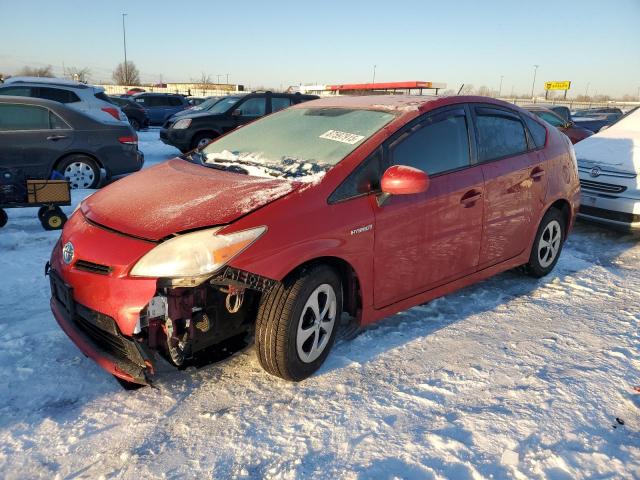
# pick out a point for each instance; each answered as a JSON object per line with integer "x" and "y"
{"x": 576, "y": 133}
{"x": 382, "y": 86}
{"x": 468, "y": 225}
{"x": 177, "y": 196}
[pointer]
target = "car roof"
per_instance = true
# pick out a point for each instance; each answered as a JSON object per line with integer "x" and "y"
{"x": 58, "y": 82}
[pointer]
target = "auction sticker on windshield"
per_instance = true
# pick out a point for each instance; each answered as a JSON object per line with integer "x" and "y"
{"x": 344, "y": 137}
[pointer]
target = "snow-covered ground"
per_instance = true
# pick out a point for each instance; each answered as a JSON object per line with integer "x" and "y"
{"x": 511, "y": 378}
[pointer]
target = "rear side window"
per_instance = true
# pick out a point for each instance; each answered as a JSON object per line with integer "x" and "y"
{"x": 253, "y": 107}
{"x": 16, "y": 91}
{"x": 438, "y": 144}
{"x": 538, "y": 132}
{"x": 24, "y": 117}
{"x": 55, "y": 94}
{"x": 102, "y": 96}
{"x": 500, "y": 134}
{"x": 56, "y": 123}
{"x": 278, "y": 103}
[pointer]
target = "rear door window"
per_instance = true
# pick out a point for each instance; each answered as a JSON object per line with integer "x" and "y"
{"x": 437, "y": 144}
{"x": 16, "y": 91}
{"x": 279, "y": 103}
{"x": 537, "y": 131}
{"x": 55, "y": 94}
{"x": 253, "y": 107}
{"x": 23, "y": 117}
{"x": 499, "y": 134}
{"x": 175, "y": 101}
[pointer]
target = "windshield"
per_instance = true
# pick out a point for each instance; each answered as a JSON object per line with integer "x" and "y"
{"x": 296, "y": 143}
{"x": 207, "y": 104}
{"x": 223, "y": 105}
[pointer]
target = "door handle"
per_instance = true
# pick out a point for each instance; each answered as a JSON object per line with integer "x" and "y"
{"x": 55, "y": 138}
{"x": 470, "y": 198}
{"x": 537, "y": 173}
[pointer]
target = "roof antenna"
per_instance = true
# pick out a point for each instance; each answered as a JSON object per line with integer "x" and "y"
{"x": 461, "y": 87}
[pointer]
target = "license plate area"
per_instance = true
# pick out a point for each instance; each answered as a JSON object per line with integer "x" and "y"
{"x": 62, "y": 292}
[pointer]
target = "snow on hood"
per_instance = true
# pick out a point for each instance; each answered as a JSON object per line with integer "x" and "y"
{"x": 618, "y": 146}
{"x": 177, "y": 196}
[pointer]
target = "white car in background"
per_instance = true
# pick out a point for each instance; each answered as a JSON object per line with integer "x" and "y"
{"x": 609, "y": 168}
{"x": 79, "y": 96}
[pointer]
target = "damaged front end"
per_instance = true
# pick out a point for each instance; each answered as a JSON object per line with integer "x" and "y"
{"x": 182, "y": 321}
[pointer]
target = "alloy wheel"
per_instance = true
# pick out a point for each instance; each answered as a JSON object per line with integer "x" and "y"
{"x": 316, "y": 323}
{"x": 549, "y": 244}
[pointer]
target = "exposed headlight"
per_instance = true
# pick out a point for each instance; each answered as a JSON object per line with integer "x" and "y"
{"x": 182, "y": 124}
{"x": 194, "y": 254}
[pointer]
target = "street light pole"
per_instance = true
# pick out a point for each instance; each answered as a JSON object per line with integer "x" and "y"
{"x": 533, "y": 85}
{"x": 124, "y": 42}
{"x": 500, "y": 89}
{"x": 586, "y": 90}
{"x": 374, "y": 74}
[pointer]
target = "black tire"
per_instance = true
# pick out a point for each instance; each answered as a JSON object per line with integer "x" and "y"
{"x": 41, "y": 212}
{"x": 4, "y": 218}
{"x": 542, "y": 259}
{"x": 135, "y": 124}
{"x": 200, "y": 137}
{"x": 280, "y": 315}
{"x": 53, "y": 219}
{"x": 81, "y": 171}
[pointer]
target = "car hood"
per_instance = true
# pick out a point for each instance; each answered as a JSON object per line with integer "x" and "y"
{"x": 178, "y": 196}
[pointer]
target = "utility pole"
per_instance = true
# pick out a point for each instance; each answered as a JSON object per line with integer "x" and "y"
{"x": 374, "y": 74}
{"x": 586, "y": 91}
{"x": 218, "y": 76}
{"x": 124, "y": 42}
{"x": 500, "y": 89}
{"x": 227, "y": 79}
{"x": 533, "y": 85}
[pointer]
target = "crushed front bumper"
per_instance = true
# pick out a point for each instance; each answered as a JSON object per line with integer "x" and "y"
{"x": 98, "y": 336}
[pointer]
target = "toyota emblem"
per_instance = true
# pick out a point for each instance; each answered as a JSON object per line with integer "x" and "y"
{"x": 595, "y": 172}
{"x": 67, "y": 253}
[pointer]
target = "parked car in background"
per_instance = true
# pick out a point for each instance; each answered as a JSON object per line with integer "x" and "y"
{"x": 41, "y": 136}
{"x": 195, "y": 101}
{"x": 134, "y": 90}
{"x": 160, "y": 106}
{"x": 609, "y": 166}
{"x": 197, "y": 129}
{"x": 79, "y": 96}
{"x": 203, "y": 107}
{"x": 595, "y": 119}
{"x": 135, "y": 113}
{"x": 570, "y": 129}
{"x": 368, "y": 205}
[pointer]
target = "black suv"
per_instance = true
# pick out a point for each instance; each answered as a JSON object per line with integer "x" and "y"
{"x": 195, "y": 130}
{"x": 135, "y": 113}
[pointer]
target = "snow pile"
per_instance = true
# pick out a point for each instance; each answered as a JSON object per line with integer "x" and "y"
{"x": 617, "y": 146}
{"x": 510, "y": 378}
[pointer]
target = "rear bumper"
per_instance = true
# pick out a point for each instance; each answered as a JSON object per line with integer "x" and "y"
{"x": 89, "y": 331}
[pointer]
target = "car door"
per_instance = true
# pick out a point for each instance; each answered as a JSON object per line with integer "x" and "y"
{"x": 428, "y": 239}
{"x": 514, "y": 179}
{"x": 32, "y": 138}
{"x": 250, "y": 109}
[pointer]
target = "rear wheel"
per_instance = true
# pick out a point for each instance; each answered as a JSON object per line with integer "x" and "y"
{"x": 81, "y": 171}
{"x": 297, "y": 323}
{"x": 547, "y": 244}
{"x": 52, "y": 219}
{"x": 4, "y": 218}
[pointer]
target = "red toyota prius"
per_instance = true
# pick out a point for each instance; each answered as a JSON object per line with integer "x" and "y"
{"x": 359, "y": 205}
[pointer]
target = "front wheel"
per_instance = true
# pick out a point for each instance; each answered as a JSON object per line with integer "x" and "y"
{"x": 202, "y": 140}
{"x": 547, "y": 244}
{"x": 297, "y": 323}
{"x": 4, "y": 218}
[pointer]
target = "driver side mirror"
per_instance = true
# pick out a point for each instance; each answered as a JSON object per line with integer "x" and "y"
{"x": 236, "y": 113}
{"x": 402, "y": 180}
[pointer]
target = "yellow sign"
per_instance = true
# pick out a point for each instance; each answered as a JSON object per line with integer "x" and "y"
{"x": 564, "y": 85}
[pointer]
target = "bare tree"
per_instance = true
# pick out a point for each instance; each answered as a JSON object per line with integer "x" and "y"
{"x": 36, "y": 71}
{"x": 78, "y": 74}
{"x": 484, "y": 91}
{"x": 126, "y": 74}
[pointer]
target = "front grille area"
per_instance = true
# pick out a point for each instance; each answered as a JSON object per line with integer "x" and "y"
{"x": 92, "y": 267}
{"x": 601, "y": 186}
{"x": 104, "y": 333}
{"x": 610, "y": 214}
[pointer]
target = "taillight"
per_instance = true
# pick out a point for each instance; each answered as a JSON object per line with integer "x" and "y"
{"x": 112, "y": 111}
{"x": 130, "y": 140}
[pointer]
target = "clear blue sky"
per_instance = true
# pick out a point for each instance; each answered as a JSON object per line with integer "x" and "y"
{"x": 273, "y": 43}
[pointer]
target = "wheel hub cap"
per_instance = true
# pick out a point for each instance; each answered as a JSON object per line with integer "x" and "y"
{"x": 79, "y": 174}
{"x": 316, "y": 323}
{"x": 549, "y": 244}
